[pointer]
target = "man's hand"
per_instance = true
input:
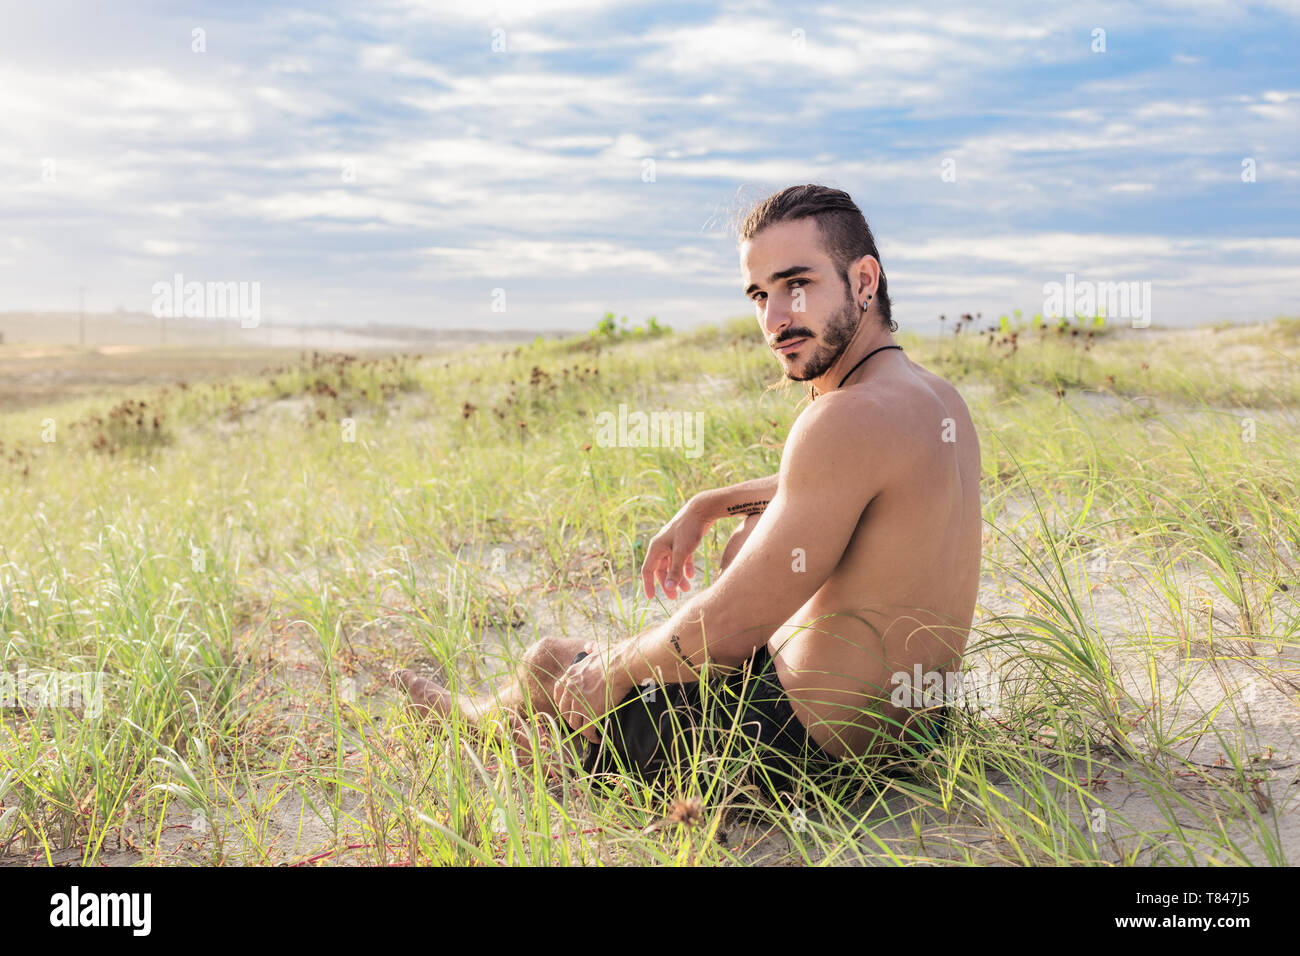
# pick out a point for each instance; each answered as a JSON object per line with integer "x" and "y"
{"x": 670, "y": 556}
{"x": 588, "y": 689}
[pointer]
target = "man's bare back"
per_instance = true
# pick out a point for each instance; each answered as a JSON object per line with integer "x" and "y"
{"x": 904, "y": 590}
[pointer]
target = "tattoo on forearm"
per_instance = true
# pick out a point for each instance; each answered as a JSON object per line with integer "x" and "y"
{"x": 748, "y": 508}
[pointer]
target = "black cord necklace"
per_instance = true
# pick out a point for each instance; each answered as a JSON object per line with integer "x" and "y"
{"x": 863, "y": 359}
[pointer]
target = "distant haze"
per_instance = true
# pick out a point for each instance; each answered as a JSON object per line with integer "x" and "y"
{"x": 140, "y": 330}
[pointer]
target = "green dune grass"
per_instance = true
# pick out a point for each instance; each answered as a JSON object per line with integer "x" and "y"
{"x": 240, "y": 563}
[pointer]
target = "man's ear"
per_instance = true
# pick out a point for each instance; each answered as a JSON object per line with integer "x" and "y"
{"x": 864, "y": 276}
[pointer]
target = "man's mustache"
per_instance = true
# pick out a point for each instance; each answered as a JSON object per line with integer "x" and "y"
{"x": 791, "y": 337}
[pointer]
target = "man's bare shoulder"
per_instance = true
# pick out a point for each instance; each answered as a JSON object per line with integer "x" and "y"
{"x": 944, "y": 389}
{"x": 877, "y": 411}
{"x": 850, "y": 435}
{"x": 834, "y": 452}
{"x": 913, "y": 396}
{"x": 883, "y": 419}
{"x": 841, "y": 416}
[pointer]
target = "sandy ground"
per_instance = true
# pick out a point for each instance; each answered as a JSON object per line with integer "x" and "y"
{"x": 1267, "y": 726}
{"x": 1263, "y": 683}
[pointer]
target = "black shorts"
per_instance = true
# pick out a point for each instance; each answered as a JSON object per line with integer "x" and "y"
{"x": 658, "y": 727}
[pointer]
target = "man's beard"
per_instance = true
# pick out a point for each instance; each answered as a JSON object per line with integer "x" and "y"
{"x": 839, "y": 333}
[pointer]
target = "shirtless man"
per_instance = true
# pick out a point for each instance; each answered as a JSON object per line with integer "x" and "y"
{"x": 857, "y": 561}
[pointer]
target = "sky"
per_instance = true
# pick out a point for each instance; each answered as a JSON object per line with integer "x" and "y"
{"x": 536, "y": 163}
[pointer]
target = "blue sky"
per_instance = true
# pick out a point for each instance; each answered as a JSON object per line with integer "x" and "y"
{"x": 380, "y": 161}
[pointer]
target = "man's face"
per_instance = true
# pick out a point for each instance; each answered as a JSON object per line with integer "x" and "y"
{"x": 785, "y": 270}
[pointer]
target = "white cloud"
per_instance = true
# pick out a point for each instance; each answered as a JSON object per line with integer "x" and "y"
{"x": 503, "y": 258}
{"x": 162, "y": 247}
{"x": 489, "y": 14}
{"x": 474, "y": 164}
{"x": 1048, "y": 251}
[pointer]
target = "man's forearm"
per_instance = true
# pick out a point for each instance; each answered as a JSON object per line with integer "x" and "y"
{"x": 673, "y": 652}
{"x": 746, "y": 498}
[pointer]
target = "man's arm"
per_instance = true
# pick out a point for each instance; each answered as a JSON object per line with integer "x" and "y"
{"x": 670, "y": 555}
{"x": 746, "y": 498}
{"x": 830, "y": 470}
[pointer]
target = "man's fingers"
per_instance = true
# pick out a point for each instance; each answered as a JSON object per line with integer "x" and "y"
{"x": 568, "y": 713}
{"x": 658, "y": 556}
{"x": 650, "y": 571}
{"x": 582, "y": 725}
{"x": 567, "y": 706}
{"x": 676, "y": 579}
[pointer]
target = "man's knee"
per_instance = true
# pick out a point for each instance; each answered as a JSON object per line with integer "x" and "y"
{"x": 541, "y": 654}
{"x": 737, "y": 539}
{"x": 551, "y": 655}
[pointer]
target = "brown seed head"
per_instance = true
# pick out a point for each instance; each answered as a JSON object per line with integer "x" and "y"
{"x": 688, "y": 811}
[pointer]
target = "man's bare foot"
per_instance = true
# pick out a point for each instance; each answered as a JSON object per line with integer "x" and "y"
{"x": 426, "y": 696}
